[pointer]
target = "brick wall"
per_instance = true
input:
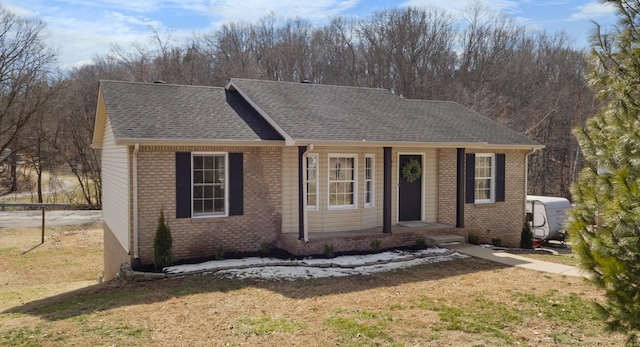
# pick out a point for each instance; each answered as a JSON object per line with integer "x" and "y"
{"x": 502, "y": 220}
{"x": 200, "y": 237}
{"x": 361, "y": 243}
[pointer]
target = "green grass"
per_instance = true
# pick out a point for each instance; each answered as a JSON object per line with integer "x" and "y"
{"x": 262, "y": 326}
{"x": 479, "y": 315}
{"x": 558, "y": 307}
{"x": 361, "y": 328}
{"x": 482, "y": 316}
{"x": 25, "y": 337}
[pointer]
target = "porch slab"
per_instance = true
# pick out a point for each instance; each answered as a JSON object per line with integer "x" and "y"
{"x": 436, "y": 240}
{"x": 406, "y": 234}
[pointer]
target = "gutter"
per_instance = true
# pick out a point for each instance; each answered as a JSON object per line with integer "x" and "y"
{"x": 136, "y": 255}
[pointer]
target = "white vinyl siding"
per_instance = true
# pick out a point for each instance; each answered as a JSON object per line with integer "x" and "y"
{"x": 325, "y": 219}
{"x": 115, "y": 186}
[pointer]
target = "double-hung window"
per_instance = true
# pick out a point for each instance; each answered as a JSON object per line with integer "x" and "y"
{"x": 209, "y": 184}
{"x": 312, "y": 181}
{"x": 369, "y": 180}
{"x": 342, "y": 181}
{"x": 484, "y": 177}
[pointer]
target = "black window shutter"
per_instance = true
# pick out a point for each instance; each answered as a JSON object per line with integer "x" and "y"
{"x": 500, "y": 173}
{"x": 471, "y": 178}
{"x": 183, "y": 185}
{"x": 236, "y": 184}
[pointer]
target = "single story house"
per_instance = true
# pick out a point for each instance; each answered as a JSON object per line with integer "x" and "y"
{"x": 299, "y": 166}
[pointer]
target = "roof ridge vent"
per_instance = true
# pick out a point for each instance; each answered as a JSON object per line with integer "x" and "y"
{"x": 160, "y": 82}
{"x": 305, "y": 81}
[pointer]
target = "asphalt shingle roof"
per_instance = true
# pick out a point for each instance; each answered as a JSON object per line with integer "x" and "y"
{"x": 303, "y": 111}
{"x": 178, "y": 112}
{"x": 323, "y": 112}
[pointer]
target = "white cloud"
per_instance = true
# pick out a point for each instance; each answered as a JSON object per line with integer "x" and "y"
{"x": 20, "y": 11}
{"x": 251, "y": 10}
{"x": 593, "y": 10}
{"x": 123, "y": 20}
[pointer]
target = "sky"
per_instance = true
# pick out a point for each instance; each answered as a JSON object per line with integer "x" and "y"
{"x": 81, "y": 29}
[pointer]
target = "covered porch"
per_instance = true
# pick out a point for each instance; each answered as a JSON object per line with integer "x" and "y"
{"x": 404, "y": 234}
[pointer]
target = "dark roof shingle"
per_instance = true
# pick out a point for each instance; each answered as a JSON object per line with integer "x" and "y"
{"x": 338, "y": 113}
{"x": 178, "y": 112}
{"x": 300, "y": 111}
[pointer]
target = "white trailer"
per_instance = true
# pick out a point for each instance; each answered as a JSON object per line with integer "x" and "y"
{"x": 547, "y": 216}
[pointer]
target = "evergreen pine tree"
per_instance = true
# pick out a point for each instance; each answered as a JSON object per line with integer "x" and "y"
{"x": 605, "y": 223}
{"x": 526, "y": 237}
{"x": 162, "y": 244}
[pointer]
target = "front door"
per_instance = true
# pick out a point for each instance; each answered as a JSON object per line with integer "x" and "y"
{"x": 409, "y": 193}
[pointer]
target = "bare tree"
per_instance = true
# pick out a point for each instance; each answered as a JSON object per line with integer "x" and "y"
{"x": 25, "y": 62}
{"x": 410, "y": 51}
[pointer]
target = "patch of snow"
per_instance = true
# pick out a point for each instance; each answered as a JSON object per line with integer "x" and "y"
{"x": 272, "y": 268}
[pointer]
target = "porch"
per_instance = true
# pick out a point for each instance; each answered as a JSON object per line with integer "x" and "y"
{"x": 404, "y": 234}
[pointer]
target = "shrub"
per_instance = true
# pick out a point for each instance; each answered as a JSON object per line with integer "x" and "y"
{"x": 496, "y": 241}
{"x": 474, "y": 239}
{"x": 328, "y": 250}
{"x": 265, "y": 248}
{"x": 526, "y": 237}
{"x": 219, "y": 253}
{"x": 421, "y": 243}
{"x": 162, "y": 244}
{"x": 375, "y": 244}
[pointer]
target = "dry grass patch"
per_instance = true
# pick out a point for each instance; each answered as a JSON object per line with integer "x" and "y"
{"x": 70, "y": 258}
{"x": 467, "y": 302}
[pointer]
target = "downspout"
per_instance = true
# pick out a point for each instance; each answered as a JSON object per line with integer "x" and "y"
{"x": 136, "y": 255}
{"x": 304, "y": 193}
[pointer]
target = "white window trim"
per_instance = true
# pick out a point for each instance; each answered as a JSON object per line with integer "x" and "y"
{"x": 317, "y": 205}
{"x": 492, "y": 190}
{"x": 226, "y": 185}
{"x": 372, "y": 179}
{"x": 355, "y": 181}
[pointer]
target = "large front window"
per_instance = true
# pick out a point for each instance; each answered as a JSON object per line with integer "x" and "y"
{"x": 342, "y": 181}
{"x": 484, "y": 178}
{"x": 209, "y": 184}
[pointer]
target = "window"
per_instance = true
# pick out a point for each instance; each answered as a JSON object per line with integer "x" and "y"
{"x": 484, "y": 178}
{"x": 209, "y": 184}
{"x": 342, "y": 180}
{"x": 312, "y": 181}
{"x": 368, "y": 180}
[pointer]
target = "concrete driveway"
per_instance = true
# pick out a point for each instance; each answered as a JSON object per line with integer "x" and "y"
{"x": 20, "y": 219}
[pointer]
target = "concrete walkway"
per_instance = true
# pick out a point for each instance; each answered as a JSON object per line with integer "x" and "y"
{"x": 502, "y": 257}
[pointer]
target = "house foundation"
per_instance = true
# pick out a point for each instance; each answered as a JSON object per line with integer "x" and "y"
{"x": 403, "y": 235}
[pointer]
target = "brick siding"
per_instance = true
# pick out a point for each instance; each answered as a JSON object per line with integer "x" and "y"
{"x": 200, "y": 237}
{"x": 502, "y": 220}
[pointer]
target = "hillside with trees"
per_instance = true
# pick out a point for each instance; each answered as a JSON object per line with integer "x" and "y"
{"x": 531, "y": 81}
